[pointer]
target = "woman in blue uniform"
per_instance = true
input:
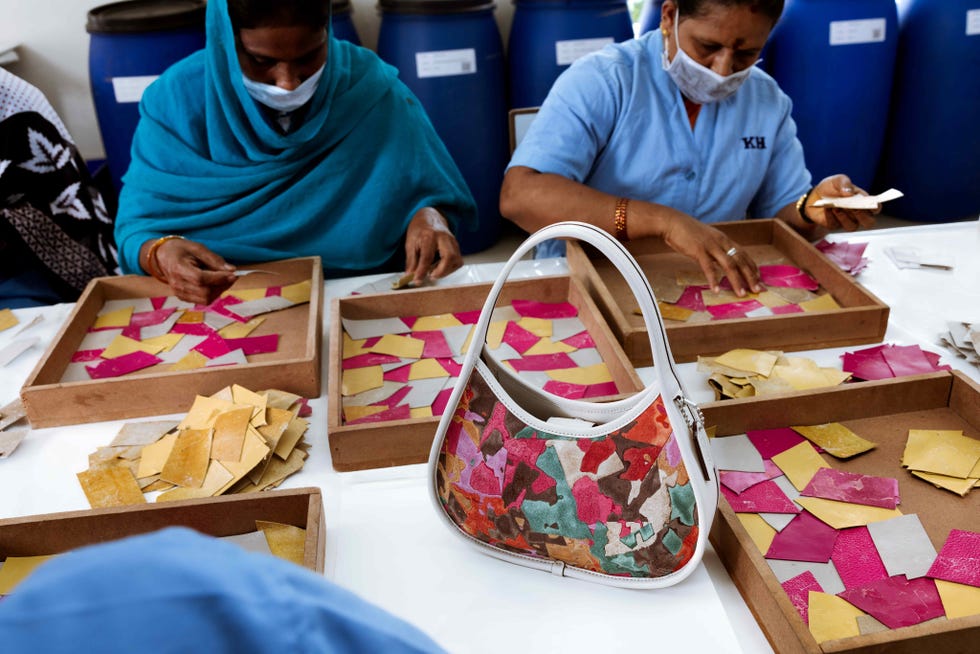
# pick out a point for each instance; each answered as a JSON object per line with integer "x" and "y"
{"x": 275, "y": 141}
{"x": 663, "y": 135}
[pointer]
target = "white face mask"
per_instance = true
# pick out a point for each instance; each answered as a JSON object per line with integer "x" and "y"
{"x": 699, "y": 83}
{"x": 280, "y": 99}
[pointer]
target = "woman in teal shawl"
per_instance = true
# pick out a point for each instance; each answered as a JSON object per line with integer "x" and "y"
{"x": 355, "y": 174}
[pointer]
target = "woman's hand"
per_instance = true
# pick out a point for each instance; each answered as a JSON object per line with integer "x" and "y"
{"x": 428, "y": 235}
{"x": 193, "y": 272}
{"x": 838, "y": 186}
{"x": 712, "y": 249}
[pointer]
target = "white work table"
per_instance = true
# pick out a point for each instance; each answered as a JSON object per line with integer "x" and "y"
{"x": 384, "y": 542}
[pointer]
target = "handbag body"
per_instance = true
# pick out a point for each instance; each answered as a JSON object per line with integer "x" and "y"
{"x": 621, "y": 493}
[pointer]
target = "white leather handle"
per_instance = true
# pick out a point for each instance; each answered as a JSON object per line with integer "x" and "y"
{"x": 627, "y": 267}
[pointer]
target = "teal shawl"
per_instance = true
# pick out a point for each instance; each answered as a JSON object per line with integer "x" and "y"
{"x": 208, "y": 164}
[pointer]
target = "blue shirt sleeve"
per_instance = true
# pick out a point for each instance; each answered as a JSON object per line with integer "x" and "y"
{"x": 574, "y": 123}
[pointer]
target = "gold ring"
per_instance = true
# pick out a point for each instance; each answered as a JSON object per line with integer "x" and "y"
{"x": 731, "y": 252}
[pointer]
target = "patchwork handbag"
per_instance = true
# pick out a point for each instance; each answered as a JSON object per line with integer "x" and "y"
{"x": 620, "y": 493}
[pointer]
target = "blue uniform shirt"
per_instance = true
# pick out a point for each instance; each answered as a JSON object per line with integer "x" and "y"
{"x": 616, "y": 122}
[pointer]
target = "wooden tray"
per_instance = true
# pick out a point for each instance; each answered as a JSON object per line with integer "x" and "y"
{"x": 881, "y": 411}
{"x": 862, "y": 318}
{"x": 295, "y": 367}
{"x": 54, "y": 533}
{"x": 400, "y": 442}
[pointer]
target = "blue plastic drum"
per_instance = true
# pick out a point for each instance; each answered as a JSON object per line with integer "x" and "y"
{"x": 932, "y": 147}
{"x": 131, "y": 44}
{"x": 835, "y": 59}
{"x": 343, "y": 25}
{"x": 650, "y": 15}
{"x": 450, "y": 54}
{"x": 546, "y": 36}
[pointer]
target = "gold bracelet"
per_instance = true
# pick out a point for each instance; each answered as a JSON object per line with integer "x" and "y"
{"x": 619, "y": 219}
{"x": 151, "y": 257}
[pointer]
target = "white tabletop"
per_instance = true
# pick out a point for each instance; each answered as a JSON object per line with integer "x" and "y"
{"x": 385, "y": 543}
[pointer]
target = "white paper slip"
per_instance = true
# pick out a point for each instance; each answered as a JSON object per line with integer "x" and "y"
{"x": 912, "y": 257}
{"x": 859, "y": 201}
{"x": 15, "y": 349}
{"x": 242, "y": 273}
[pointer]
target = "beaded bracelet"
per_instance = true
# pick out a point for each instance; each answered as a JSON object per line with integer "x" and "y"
{"x": 151, "y": 257}
{"x": 801, "y": 206}
{"x": 619, "y": 219}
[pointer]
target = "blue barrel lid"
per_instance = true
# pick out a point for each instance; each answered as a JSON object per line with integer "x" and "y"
{"x": 434, "y": 6}
{"x": 145, "y": 16}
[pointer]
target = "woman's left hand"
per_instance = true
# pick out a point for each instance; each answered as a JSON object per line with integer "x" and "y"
{"x": 839, "y": 186}
{"x": 428, "y": 235}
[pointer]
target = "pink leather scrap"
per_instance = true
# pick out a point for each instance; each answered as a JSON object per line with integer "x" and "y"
{"x": 959, "y": 559}
{"x": 436, "y": 346}
{"x": 764, "y": 497}
{"x": 123, "y": 365}
{"x": 543, "y": 362}
{"x": 805, "y": 538}
{"x": 254, "y": 344}
{"x": 547, "y": 310}
{"x": 519, "y": 338}
{"x": 834, "y": 484}
{"x": 770, "y": 442}
{"x": 367, "y": 359}
{"x": 691, "y": 298}
{"x": 580, "y": 341}
{"x": 798, "y": 589}
{"x": 787, "y": 277}
{"x": 738, "y": 481}
{"x": 896, "y": 601}
{"x": 856, "y": 558}
{"x": 733, "y": 309}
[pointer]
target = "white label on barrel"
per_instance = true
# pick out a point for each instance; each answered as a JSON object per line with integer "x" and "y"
{"x": 445, "y": 63}
{"x": 849, "y": 32}
{"x": 972, "y": 22}
{"x": 568, "y": 51}
{"x": 130, "y": 89}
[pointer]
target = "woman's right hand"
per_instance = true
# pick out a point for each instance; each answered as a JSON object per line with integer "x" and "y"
{"x": 193, "y": 272}
{"x": 710, "y": 247}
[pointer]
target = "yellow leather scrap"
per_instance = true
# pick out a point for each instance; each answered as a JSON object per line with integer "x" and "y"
{"x": 954, "y": 484}
{"x": 296, "y": 293}
{"x": 188, "y": 461}
{"x": 841, "y": 515}
{"x": 404, "y": 347}
{"x": 540, "y": 327}
{"x": 435, "y": 323}
{"x": 594, "y": 374}
{"x": 835, "y": 439}
{"x": 358, "y": 380}
{"x": 215, "y": 479}
{"x": 117, "y": 318}
{"x": 286, "y": 541}
{"x": 944, "y": 452}
{"x": 155, "y": 455}
{"x": 240, "y": 329}
{"x": 760, "y": 531}
{"x": 105, "y": 487}
{"x": 959, "y": 600}
{"x": 831, "y": 617}
{"x": 16, "y": 568}
{"x": 426, "y": 369}
{"x": 755, "y": 361}
{"x": 191, "y": 361}
{"x": 8, "y": 319}
{"x": 825, "y": 302}
{"x": 229, "y": 434}
{"x": 672, "y": 312}
{"x": 548, "y": 346}
{"x": 799, "y": 463}
{"x": 121, "y": 346}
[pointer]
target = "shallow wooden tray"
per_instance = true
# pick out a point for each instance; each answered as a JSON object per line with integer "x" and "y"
{"x": 883, "y": 412}
{"x": 862, "y": 318}
{"x": 295, "y": 367}
{"x": 54, "y": 533}
{"x": 400, "y": 442}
